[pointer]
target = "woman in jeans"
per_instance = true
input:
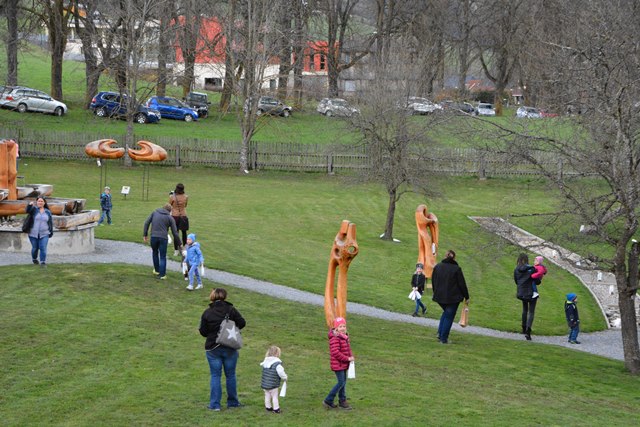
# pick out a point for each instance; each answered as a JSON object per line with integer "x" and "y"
{"x": 449, "y": 289}
{"x": 179, "y": 201}
{"x": 41, "y": 230}
{"x": 219, "y": 356}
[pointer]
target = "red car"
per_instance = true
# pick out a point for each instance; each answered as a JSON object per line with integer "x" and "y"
{"x": 546, "y": 114}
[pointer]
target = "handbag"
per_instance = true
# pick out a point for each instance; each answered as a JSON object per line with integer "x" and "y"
{"x": 351, "y": 372}
{"x": 27, "y": 224}
{"x": 229, "y": 334}
{"x": 464, "y": 316}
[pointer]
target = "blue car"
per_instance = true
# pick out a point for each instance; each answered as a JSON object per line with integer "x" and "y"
{"x": 172, "y": 108}
{"x": 112, "y": 104}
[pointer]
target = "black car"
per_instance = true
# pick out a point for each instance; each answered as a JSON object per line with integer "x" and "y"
{"x": 112, "y": 104}
{"x": 199, "y": 102}
{"x": 459, "y": 107}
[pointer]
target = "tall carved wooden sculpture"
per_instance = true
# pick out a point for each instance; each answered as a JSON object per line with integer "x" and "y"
{"x": 344, "y": 249}
{"x": 427, "y": 224}
{"x": 8, "y": 169}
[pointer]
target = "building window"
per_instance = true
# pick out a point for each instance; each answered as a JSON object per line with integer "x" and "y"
{"x": 323, "y": 64}
{"x": 212, "y": 83}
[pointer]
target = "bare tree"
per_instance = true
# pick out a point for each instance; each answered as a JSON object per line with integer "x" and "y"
{"x": 592, "y": 61}
{"x": 10, "y": 10}
{"x": 500, "y": 40}
{"x": 395, "y": 142}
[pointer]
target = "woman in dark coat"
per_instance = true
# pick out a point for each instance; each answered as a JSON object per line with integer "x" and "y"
{"x": 449, "y": 289}
{"x": 219, "y": 356}
{"x": 524, "y": 283}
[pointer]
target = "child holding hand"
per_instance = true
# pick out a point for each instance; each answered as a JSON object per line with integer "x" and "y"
{"x": 194, "y": 260}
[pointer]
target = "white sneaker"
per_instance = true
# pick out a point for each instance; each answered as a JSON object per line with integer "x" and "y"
{"x": 536, "y": 295}
{"x": 199, "y": 287}
{"x": 189, "y": 288}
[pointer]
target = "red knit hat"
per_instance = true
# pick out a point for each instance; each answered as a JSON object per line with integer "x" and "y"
{"x": 339, "y": 321}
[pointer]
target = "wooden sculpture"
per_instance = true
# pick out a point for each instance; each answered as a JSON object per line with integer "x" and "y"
{"x": 427, "y": 224}
{"x": 8, "y": 169}
{"x": 149, "y": 152}
{"x": 102, "y": 149}
{"x": 344, "y": 249}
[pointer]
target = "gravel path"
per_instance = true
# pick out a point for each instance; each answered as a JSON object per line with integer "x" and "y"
{"x": 606, "y": 343}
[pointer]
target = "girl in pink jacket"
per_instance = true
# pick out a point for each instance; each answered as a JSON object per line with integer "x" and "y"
{"x": 341, "y": 356}
{"x": 541, "y": 270}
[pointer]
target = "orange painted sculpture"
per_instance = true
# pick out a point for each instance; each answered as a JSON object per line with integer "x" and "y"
{"x": 8, "y": 169}
{"x": 344, "y": 249}
{"x": 102, "y": 149}
{"x": 427, "y": 224}
{"x": 149, "y": 152}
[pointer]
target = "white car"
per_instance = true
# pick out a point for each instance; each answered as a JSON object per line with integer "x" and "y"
{"x": 418, "y": 105}
{"x": 23, "y": 99}
{"x": 485, "y": 109}
{"x": 336, "y": 107}
{"x": 529, "y": 112}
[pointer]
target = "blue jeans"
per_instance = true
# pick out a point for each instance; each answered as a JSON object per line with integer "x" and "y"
{"x": 420, "y": 304}
{"x": 573, "y": 333}
{"x": 446, "y": 320}
{"x": 227, "y": 358}
{"x": 159, "y": 255}
{"x": 106, "y": 213}
{"x": 340, "y": 388}
{"x": 193, "y": 271}
{"x": 39, "y": 244}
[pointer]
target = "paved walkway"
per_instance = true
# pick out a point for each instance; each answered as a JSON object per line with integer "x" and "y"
{"x": 606, "y": 343}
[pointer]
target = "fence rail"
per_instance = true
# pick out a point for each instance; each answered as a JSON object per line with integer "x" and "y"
{"x": 281, "y": 156}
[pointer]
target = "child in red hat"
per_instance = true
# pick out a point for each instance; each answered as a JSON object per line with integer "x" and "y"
{"x": 341, "y": 356}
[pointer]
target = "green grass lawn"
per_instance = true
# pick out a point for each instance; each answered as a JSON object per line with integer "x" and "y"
{"x": 108, "y": 345}
{"x": 280, "y": 227}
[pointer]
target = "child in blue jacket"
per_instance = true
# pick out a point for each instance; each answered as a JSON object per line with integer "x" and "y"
{"x": 573, "y": 320}
{"x": 105, "y": 206}
{"x": 194, "y": 260}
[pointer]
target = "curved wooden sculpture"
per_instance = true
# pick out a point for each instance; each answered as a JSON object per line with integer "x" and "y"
{"x": 8, "y": 168}
{"x": 427, "y": 224}
{"x": 344, "y": 249}
{"x": 102, "y": 149}
{"x": 149, "y": 152}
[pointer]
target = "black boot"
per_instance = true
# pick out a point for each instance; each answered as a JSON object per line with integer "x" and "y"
{"x": 527, "y": 334}
{"x": 524, "y": 328}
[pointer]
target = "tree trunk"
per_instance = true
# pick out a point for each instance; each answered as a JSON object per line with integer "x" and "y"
{"x": 391, "y": 212}
{"x": 163, "y": 40}
{"x": 627, "y": 290}
{"x": 229, "y": 62}
{"x": 12, "y": 42}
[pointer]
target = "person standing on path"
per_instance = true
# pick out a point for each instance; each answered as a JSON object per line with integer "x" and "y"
{"x": 220, "y": 356}
{"x": 161, "y": 222}
{"x": 524, "y": 282}
{"x": 105, "y": 206}
{"x": 573, "y": 319}
{"x": 178, "y": 201}
{"x": 41, "y": 230}
{"x": 449, "y": 290}
{"x": 417, "y": 284}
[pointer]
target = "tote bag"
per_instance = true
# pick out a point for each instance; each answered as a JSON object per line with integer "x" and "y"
{"x": 464, "y": 316}
{"x": 229, "y": 334}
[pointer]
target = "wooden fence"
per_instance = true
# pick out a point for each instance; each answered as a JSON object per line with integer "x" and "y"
{"x": 281, "y": 156}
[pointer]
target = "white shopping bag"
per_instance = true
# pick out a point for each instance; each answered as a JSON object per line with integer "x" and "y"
{"x": 169, "y": 238}
{"x": 412, "y": 295}
{"x": 351, "y": 372}
{"x": 201, "y": 270}
{"x": 184, "y": 268}
{"x": 283, "y": 390}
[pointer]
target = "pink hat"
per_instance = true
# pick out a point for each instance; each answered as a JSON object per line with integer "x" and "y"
{"x": 539, "y": 259}
{"x": 339, "y": 321}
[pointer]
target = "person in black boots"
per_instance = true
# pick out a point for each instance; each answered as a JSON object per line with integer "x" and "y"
{"x": 417, "y": 284}
{"x": 524, "y": 282}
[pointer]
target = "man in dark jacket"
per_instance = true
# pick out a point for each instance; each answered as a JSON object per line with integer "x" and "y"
{"x": 161, "y": 222}
{"x": 449, "y": 289}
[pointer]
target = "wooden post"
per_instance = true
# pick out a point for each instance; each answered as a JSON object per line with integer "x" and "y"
{"x": 330, "y": 164}
{"x": 178, "y": 165}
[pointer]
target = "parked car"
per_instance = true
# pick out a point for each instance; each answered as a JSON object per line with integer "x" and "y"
{"x": 199, "y": 102}
{"x": 547, "y": 114}
{"x": 461, "y": 107}
{"x": 528, "y": 112}
{"x": 336, "y": 107}
{"x": 418, "y": 105}
{"x": 171, "y": 108}
{"x": 269, "y": 105}
{"x": 112, "y": 104}
{"x": 23, "y": 99}
{"x": 485, "y": 109}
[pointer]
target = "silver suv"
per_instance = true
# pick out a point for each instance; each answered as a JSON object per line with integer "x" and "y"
{"x": 269, "y": 105}
{"x": 418, "y": 105}
{"x": 336, "y": 107}
{"x": 25, "y": 99}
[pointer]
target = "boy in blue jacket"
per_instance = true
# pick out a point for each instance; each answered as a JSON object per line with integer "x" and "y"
{"x": 194, "y": 260}
{"x": 105, "y": 205}
{"x": 573, "y": 320}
